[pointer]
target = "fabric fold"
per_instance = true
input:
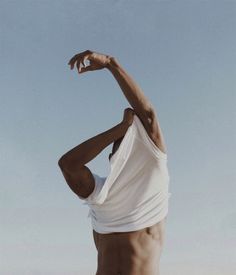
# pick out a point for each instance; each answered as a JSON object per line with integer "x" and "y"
{"x": 135, "y": 193}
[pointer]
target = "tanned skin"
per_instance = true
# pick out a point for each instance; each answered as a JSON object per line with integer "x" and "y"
{"x": 124, "y": 253}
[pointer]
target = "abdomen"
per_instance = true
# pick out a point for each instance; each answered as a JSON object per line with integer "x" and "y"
{"x": 130, "y": 253}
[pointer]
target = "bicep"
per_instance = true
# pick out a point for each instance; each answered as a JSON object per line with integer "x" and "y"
{"x": 80, "y": 181}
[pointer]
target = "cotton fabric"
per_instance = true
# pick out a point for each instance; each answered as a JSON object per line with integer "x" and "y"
{"x": 135, "y": 194}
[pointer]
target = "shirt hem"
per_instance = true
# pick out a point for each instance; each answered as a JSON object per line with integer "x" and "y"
{"x": 130, "y": 228}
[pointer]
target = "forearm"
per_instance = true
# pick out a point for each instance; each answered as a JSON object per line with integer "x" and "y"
{"x": 131, "y": 90}
{"x": 89, "y": 149}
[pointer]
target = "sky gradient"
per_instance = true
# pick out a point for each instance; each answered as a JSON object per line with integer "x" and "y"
{"x": 182, "y": 54}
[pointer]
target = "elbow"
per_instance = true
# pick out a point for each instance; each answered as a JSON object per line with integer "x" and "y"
{"x": 62, "y": 162}
{"x": 63, "y": 165}
{"x": 67, "y": 164}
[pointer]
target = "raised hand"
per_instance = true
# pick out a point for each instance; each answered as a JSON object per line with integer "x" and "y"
{"x": 97, "y": 61}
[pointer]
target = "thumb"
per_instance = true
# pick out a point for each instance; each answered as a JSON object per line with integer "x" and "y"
{"x": 85, "y": 69}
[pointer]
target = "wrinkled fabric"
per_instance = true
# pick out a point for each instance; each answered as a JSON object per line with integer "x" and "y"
{"x": 135, "y": 194}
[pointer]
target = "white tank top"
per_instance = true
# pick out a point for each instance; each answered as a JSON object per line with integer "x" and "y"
{"x": 135, "y": 193}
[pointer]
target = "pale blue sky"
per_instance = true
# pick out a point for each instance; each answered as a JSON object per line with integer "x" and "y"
{"x": 182, "y": 54}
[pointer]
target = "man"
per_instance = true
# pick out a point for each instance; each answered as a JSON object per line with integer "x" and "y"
{"x": 135, "y": 252}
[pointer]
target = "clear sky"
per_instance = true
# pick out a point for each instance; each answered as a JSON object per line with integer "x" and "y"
{"x": 182, "y": 54}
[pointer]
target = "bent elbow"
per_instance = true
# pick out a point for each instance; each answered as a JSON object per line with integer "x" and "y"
{"x": 61, "y": 162}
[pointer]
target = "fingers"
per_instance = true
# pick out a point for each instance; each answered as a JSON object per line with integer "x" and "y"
{"x": 85, "y": 69}
{"x": 73, "y": 60}
{"x": 77, "y": 62}
{"x": 78, "y": 58}
{"x": 78, "y": 65}
{"x": 129, "y": 110}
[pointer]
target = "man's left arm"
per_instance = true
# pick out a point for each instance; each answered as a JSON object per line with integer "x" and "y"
{"x": 133, "y": 93}
{"x": 140, "y": 103}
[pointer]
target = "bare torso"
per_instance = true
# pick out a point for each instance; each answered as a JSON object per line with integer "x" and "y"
{"x": 130, "y": 253}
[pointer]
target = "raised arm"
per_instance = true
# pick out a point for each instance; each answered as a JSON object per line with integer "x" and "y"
{"x": 133, "y": 93}
{"x": 73, "y": 163}
{"x": 140, "y": 103}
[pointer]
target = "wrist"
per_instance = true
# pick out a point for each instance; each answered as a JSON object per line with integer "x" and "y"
{"x": 112, "y": 63}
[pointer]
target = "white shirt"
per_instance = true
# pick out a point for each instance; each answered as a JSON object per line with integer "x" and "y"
{"x": 135, "y": 193}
